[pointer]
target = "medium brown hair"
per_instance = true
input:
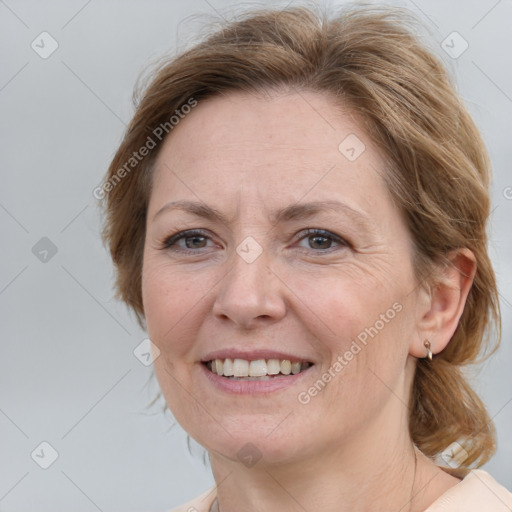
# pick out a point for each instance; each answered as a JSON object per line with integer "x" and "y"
{"x": 437, "y": 168}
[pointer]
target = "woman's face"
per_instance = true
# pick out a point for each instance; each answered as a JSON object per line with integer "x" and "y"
{"x": 295, "y": 252}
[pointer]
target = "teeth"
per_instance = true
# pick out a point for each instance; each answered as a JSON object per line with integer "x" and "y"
{"x": 227, "y": 368}
{"x": 240, "y": 368}
{"x": 259, "y": 369}
{"x": 296, "y": 368}
{"x": 273, "y": 367}
{"x": 286, "y": 367}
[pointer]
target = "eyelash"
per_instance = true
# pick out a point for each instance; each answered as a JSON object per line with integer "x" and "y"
{"x": 170, "y": 241}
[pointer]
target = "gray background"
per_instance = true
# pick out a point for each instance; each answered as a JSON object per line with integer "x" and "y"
{"x": 68, "y": 375}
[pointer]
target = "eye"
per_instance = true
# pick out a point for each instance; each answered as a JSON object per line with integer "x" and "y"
{"x": 192, "y": 241}
{"x": 322, "y": 240}
{"x": 187, "y": 241}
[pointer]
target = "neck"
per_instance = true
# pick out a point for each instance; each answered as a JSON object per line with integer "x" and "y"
{"x": 356, "y": 477}
{"x": 373, "y": 468}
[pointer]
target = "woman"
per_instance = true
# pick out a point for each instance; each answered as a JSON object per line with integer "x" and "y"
{"x": 297, "y": 215}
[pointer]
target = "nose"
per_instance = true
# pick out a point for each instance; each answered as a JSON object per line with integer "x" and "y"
{"x": 250, "y": 294}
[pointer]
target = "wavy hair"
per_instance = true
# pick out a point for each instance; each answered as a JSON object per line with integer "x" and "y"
{"x": 437, "y": 169}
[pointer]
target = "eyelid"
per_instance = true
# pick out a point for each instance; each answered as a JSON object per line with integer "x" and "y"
{"x": 307, "y": 232}
{"x": 171, "y": 240}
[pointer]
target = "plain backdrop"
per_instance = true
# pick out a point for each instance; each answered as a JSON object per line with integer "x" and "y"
{"x": 68, "y": 373}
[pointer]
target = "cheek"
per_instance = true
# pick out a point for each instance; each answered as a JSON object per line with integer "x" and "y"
{"x": 171, "y": 301}
{"x": 347, "y": 309}
{"x": 365, "y": 327}
{"x": 172, "y": 306}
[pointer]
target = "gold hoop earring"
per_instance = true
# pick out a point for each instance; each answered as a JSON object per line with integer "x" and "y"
{"x": 429, "y": 352}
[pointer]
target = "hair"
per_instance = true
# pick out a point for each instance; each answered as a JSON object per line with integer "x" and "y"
{"x": 371, "y": 61}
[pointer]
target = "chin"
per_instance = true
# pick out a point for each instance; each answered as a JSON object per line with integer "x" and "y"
{"x": 253, "y": 442}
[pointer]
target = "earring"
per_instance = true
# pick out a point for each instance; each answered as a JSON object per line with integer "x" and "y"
{"x": 429, "y": 352}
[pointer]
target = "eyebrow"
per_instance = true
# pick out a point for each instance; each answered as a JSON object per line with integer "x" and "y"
{"x": 299, "y": 211}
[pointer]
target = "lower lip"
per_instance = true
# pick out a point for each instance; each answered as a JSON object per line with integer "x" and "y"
{"x": 251, "y": 387}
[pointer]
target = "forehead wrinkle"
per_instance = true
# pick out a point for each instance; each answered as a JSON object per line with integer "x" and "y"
{"x": 197, "y": 209}
{"x": 299, "y": 211}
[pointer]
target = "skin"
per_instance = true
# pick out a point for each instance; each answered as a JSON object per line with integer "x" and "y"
{"x": 248, "y": 155}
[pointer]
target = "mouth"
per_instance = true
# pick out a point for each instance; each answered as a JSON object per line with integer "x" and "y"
{"x": 255, "y": 370}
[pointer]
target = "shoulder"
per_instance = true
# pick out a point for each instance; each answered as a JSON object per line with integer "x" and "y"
{"x": 201, "y": 503}
{"x": 476, "y": 492}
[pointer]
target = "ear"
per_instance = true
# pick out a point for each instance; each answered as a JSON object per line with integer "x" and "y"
{"x": 441, "y": 305}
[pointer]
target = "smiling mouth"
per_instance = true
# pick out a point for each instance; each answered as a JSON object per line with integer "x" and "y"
{"x": 259, "y": 369}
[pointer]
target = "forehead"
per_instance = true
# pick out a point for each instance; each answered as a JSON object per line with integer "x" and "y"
{"x": 238, "y": 121}
{"x": 274, "y": 147}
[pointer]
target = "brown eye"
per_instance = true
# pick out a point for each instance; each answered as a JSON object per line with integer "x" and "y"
{"x": 187, "y": 241}
{"x": 321, "y": 240}
{"x": 195, "y": 242}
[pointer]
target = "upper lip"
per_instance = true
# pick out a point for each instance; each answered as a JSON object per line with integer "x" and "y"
{"x": 252, "y": 355}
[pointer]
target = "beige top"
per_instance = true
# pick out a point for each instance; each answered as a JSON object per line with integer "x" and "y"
{"x": 476, "y": 492}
